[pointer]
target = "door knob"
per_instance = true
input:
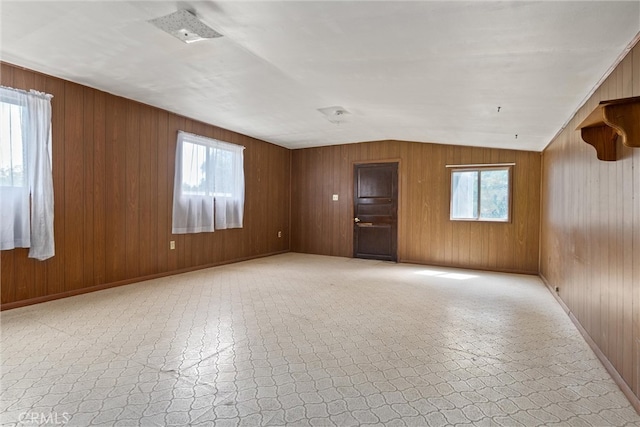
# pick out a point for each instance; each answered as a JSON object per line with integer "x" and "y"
{"x": 356, "y": 219}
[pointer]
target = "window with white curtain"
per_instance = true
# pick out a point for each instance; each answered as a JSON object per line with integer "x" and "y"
{"x": 26, "y": 182}
{"x": 208, "y": 191}
{"x": 481, "y": 194}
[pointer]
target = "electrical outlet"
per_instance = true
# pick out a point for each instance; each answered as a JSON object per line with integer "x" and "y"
{"x": 279, "y": 233}
{"x": 335, "y": 197}
{"x": 172, "y": 244}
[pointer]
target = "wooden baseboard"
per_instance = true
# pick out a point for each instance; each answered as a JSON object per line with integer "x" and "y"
{"x": 45, "y": 298}
{"x": 630, "y": 395}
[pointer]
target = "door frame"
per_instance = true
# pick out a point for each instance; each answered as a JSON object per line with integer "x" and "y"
{"x": 400, "y": 233}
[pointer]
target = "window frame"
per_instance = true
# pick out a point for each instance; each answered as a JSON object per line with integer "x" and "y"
{"x": 479, "y": 169}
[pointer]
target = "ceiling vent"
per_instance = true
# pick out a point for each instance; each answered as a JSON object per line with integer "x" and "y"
{"x": 184, "y": 26}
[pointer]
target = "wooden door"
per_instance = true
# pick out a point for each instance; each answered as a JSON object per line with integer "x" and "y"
{"x": 375, "y": 208}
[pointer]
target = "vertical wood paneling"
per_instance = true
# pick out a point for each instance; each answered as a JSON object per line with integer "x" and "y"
{"x": 445, "y": 245}
{"x": 113, "y": 165}
{"x": 99, "y": 191}
{"x": 7, "y": 281}
{"x": 88, "y": 246}
{"x": 335, "y": 205}
{"x": 164, "y": 226}
{"x": 74, "y": 201}
{"x": 132, "y": 175}
{"x": 426, "y": 235}
{"x": 115, "y": 161}
{"x": 253, "y": 176}
{"x": 155, "y": 244}
{"x": 590, "y": 231}
{"x": 146, "y": 190}
{"x": 610, "y": 87}
{"x": 439, "y": 232}
{"x": 24, "y": 274}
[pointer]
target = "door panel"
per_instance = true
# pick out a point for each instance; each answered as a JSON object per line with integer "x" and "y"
{"x": 374, "y": 241}
{"x": 374, "y": 181}
{"x": 375, "y": 207}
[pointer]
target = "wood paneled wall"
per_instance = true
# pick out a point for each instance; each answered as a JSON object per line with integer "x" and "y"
{"x": 425, "y": 233}
{"x": 590, "y": 234}
{"x": 113, "y": 163}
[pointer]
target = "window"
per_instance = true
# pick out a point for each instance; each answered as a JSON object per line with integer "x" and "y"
{"x": 208, "y": 186}
{"x": 481, "y": 194}
{"x": 26, "y": 182}
{"x": 13, "y": 156}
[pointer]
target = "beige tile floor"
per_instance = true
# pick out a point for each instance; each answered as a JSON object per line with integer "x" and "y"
{"x": 307, "y": 340}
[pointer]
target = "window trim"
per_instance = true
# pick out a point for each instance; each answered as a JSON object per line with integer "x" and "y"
{"x": 479, "y": 168}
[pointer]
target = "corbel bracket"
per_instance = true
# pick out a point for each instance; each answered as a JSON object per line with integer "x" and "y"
{"x": 610, "y": 119}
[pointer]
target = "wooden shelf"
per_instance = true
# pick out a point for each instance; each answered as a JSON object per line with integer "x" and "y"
{"x": 610, "y": 119}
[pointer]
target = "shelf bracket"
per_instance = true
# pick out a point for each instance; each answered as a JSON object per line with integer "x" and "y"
{"x": 603, "y": 139}
{"x": 610, "y": 120}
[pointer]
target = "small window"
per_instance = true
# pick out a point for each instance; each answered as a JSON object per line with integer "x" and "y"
{"x": 481, "y": 194}
{"x": 13, "y": 153}
{"x": 209, "y": 185}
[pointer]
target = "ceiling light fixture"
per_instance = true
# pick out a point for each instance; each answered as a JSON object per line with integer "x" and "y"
{"x": 184, "y": 26}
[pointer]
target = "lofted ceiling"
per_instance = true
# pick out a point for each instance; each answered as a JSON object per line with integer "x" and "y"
{"x": 469, "y": 73}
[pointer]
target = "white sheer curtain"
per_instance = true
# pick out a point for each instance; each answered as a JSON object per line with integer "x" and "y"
{"x": 208, "y": 189}
{"x": 25, "y": 170}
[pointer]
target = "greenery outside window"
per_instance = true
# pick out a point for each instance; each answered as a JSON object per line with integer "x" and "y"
{"x": 481, "y": 193}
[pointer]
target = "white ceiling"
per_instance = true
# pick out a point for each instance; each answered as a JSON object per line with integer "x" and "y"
{"x": 419, "y": 71}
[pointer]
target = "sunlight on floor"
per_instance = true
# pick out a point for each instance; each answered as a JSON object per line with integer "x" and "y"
{"x": 446, "y": 274}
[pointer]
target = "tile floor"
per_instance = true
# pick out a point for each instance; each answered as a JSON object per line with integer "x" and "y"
{"x": 306, "y": 340}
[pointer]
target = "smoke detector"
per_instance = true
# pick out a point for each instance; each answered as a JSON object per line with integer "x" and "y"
{"x": 184, "y": 26}
{"x": 334, "y": 114}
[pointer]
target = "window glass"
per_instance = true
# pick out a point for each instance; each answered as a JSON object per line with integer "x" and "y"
{"x": 12, "y": 151}
{"x": 207, "y": 171}
{"x": 480, "y": 194}
{"x": 494, "y": 190}
{"x": 465, "y": 195}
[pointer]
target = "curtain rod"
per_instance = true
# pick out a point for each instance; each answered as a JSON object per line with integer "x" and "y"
{"x": 32, "y": 92}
